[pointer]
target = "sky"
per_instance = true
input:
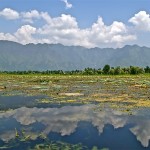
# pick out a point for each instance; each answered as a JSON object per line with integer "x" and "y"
{"x": 87, "y": 23}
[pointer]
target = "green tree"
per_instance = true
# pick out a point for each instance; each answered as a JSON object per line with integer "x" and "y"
{"x": 147, "y": 69}
{"x": 106, "y": 69}
{"x": 136, "y": 70}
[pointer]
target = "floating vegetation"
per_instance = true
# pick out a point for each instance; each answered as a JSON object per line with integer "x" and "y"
{"x": 16, "y": 133}
{"x": 71, "y": 94}
{"x": 44, "y": 100}
{"x": 22, "y": 136}
{"x": 120, "y": 92}
{"x": 47, "y": 144}
{"x": 59, "y": 146}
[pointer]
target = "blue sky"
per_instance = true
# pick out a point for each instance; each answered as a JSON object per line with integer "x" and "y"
{"x": 89, "y": 23}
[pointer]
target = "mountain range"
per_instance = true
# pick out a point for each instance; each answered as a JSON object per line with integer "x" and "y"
{"x": 17, "y": 57}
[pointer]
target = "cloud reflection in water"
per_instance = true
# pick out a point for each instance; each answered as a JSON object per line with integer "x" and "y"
{"x": 65, "y": 120}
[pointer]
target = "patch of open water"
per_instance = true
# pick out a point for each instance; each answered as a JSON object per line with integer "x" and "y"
{"x": 22, "y": 127}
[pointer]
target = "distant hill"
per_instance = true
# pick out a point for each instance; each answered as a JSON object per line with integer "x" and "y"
{"x": 14, "y": 56}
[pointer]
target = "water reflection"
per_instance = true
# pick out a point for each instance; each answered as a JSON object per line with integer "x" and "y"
{"x": 65, "y": 121}
{"x": 142, "y": 126}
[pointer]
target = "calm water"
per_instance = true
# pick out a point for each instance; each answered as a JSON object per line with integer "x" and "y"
{"x": 85, "y": 124}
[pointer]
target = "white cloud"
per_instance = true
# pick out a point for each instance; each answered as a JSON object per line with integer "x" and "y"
{"x": 117, "y": 33}
{"x": 65, "y": 30}
{"x": 60, "y": 23}
{"x": 24, "y": 34}
{"x": 46, "y": 17}
{"x": 118, "y": 27}
{"x": 7, "y": 36}
{"x": 9, "y": 14}
{"x": 29, "y": 16}
{"x": 68, "y": 5}
{"x": 141, "y": 20}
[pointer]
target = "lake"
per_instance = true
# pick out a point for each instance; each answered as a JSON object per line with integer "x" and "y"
{"x": 26, "y": 124}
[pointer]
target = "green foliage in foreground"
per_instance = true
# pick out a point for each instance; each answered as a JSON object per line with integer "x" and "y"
{"x": 106, "y": 70}
{"x": 47, "y": 144}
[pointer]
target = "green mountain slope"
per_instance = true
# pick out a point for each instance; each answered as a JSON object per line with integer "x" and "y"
{"x": 14, "y": 56}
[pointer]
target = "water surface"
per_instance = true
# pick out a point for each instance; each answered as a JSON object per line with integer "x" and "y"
{"x": 24, "y": 127}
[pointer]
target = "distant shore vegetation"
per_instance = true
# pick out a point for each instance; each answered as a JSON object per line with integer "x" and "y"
{"x": 106, "y": 70}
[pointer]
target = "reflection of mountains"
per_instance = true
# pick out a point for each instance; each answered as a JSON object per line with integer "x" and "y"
{"x": 65, "y": 121}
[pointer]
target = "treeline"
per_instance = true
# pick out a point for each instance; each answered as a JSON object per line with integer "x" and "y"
{"x": 106, "y": 70}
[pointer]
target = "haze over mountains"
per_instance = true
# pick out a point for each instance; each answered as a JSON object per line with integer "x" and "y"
{"x": 14, "y": 56}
